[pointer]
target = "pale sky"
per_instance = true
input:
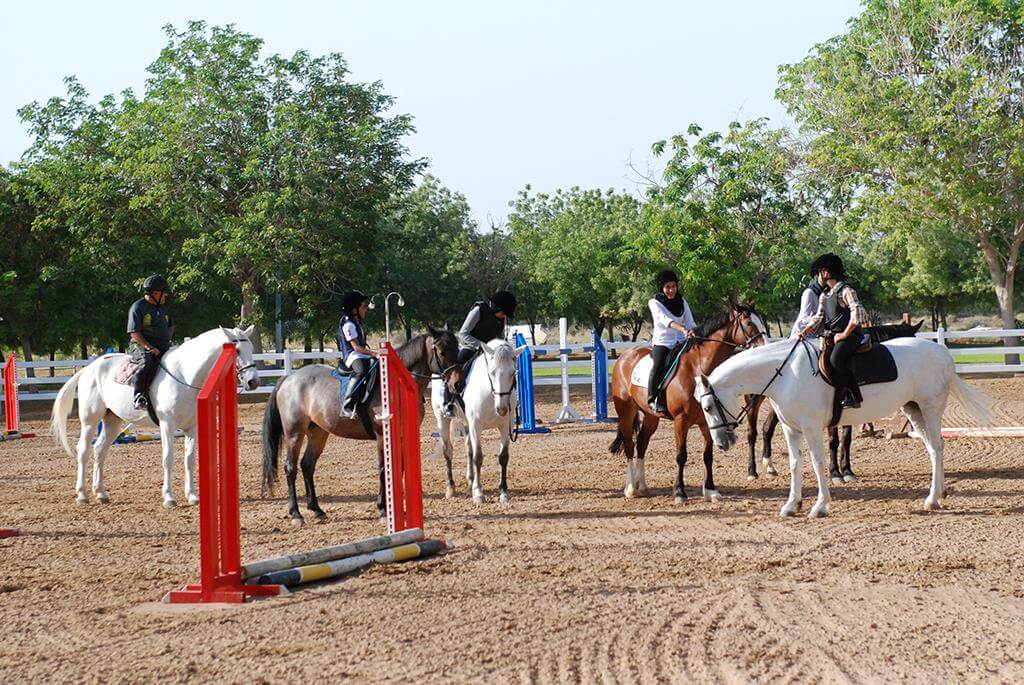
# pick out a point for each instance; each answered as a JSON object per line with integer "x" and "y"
{"x": 551, "y": 94}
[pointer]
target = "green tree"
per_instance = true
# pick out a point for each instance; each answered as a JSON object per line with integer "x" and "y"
{"x": 916, "y": 111}
{"x": 726, "y": 217}
{"x": 275, "y": 172}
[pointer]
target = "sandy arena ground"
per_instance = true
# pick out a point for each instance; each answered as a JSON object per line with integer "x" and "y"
{"x": 569, "y": 582}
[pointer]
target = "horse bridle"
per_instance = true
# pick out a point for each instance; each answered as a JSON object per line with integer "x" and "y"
{"x": 443, "y": 372}
{"x": 747, "y": 343}
{"x": 490, "y": 380}
{"x": 723, "y": 412}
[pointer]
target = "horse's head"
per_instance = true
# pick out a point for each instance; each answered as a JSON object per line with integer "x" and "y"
{"x": 245, "y": 366}
{"x": 748, "y": 329}
{"x": 500, "y": 358}
{"x": 443, "y": 355}
{"x": 720, "y": 412}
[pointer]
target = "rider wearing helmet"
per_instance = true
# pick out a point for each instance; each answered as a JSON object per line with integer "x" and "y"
{"x": 150, "y": 328}
{"x": 352, "y": 344}
{"x": 673, "y": 323}
{"x": 840, "y": 314}
{"x": 484, "y": 323}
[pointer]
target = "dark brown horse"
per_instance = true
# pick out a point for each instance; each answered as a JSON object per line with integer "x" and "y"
{"x": 306, "y": 406}
{"x": 716, "y": 340}
{"x": 840, "y": 468}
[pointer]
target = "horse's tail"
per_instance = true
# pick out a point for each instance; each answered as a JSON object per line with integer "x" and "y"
{"x": 617, "y": 444}
{"x": 61, "y": 408}
{"x": 978, "y": 404}
{"x": 272, "y": 431}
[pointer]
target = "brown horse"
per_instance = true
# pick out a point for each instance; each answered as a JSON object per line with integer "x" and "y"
{"x": 715, "y": 340}
{"x": 306, "y": 406}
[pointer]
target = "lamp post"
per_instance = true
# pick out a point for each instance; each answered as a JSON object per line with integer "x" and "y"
{"x": 387, "y": 312}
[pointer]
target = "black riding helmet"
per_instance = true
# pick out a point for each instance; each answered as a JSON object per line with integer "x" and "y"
{"x": 666, "y": 276}
{"x": 156, "y": 282}
{"x": 504, "y": 301}
{"x": 351, "y": 301}
{"x": 833, "y": 263}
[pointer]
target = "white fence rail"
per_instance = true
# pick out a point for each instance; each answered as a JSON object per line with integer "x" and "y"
{"x": 546, "y": 357}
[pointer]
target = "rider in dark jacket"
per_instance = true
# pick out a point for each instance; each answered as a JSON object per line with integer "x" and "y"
{"x": 150, "y": 328}
{"x": 840, "y": 314}
{"x": 356, "y": 356}
{"x": 484, "y": 323}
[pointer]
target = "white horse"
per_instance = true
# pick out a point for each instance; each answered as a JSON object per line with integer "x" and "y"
{"x": 491, "y": 402}
{"x": 786, "y": 372}
{"x": 183, "y": 370}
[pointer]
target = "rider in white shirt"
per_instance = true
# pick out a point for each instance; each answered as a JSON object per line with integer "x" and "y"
{"x": 808, "y": 306}
{"x": 673, "y": 323}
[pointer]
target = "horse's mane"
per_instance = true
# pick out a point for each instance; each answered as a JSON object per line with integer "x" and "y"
{"x": 717, "y": 322}
{"x": 412, "y": 352}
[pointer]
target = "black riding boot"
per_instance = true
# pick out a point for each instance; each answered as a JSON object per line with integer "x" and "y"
{"x": 842, "y": 363}
{"x": 655, "y": 398}
{"x": 351, "y": 404}
{"x": 143, "y": 379}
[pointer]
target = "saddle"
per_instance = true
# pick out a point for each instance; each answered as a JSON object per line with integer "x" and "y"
{"x": 125, "y": 374}
{"x": 364, "y": 384}
{"x": 673, "y": 364}
{"x": 872, "y": 363}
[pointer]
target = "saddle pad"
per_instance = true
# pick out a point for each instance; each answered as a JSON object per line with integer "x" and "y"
{"x": 125, "y": 374}
{"x": 642, "y": 372}
{"x": 365, "y": 383}
{"x": 875, "y": 366}
{"x": 343, "y": 381}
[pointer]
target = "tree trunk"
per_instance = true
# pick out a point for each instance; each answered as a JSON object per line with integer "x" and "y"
{"x": 52, "y": 357}
{"x": 321, "y": 344}
{"x": 1002, "y": 274}
{"x": 83, "y": 350}
{"x": 408, "y": 328}
{"x": 942, "y": 313}
{"x": 26, "y": 350}
{"x": 533, "y": 329}
{"x": 307, "y": 342}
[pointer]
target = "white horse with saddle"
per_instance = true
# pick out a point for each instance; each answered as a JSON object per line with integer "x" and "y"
{"x": 183, "y": 370}
{"x": 491, "y": 402}
{"x": 787, "y": 373}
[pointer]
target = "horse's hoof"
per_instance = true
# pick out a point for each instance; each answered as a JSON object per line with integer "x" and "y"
{"x": 82, "y": 498}
{"x": 789, "y": 509}
{"x": 642, "y": 491}
{"x": 751, "y": 476}
{"x": 629, "y": 492}
{"x": 679, "y": 499}
{"x": 770, "y": 471}
{"x": 102, "y": 498}
{"x": 297, "y": 522}
{"x": 449, "y": 492}
{"x": 478, "y": 497}
{"x": 850, "y": 478}
{"x": 836, "y": 480}
{"x": 169, "y": 503}
{"x": 193, "y": 499}
{"x": 712, "y": 496}
{"x": 818, "y": 511}
{"x": 504, "y": 498}
{"x": 320, "y": 518}
{"x": 932, "y": 503}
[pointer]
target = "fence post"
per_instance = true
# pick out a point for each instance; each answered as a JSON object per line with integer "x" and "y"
{"x": 599, "y": 378}
{"x": 940, "y": 336}
{"x": 287, "y": 361}
{"x": 527, "y": 408}
{"x": 567, "y": 413}
{"x": 220, "y": 564}
{"x": 400, "y": 416}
